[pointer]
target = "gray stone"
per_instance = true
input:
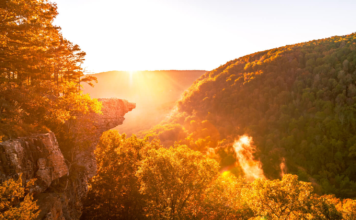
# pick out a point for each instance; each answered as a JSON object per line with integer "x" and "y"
{"x": 61, "y": 187}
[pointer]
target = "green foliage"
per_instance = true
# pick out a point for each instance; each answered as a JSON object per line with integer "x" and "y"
{"x": 167, "y": 134}
{"x": 223, "y": 200}
{"x": 287, "y": 199}
{"x": 40, "y": 71}
{"x": 138, "y": 179}
{"x": 297, "y": 102}
{"x": 114, "y": 191}
{"x": 173, "y": 181}
{"x": 14, "y": 204}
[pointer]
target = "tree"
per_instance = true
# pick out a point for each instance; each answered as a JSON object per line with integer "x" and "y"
{"x": 39, "y": 69}
{"x": 138, "y": 179}
{"x": 14, "y": 204}
{"x": 348, "y": 209}
{"x": 114, "y": 191}
{"x": 223, "y": 199}
{"x": 173, "y": 181}
{"x": 287, "y": 199}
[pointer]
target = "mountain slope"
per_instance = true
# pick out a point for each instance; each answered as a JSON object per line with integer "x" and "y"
{"x": 297, "y": 103}
{"x": 154, "y": 92}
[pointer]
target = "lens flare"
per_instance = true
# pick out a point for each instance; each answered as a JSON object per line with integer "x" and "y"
{"x": 283, "y": 167}
{"x": 244, "y": 149}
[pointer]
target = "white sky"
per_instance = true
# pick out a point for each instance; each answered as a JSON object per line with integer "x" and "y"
{"x": 194, "y": 34}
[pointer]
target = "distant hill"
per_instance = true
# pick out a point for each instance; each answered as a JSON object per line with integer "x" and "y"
{"x": 297, "y": 102}
{"x": 154, "y": 92}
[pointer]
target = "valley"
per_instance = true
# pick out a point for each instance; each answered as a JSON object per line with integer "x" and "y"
{"x": 154, "y": 92}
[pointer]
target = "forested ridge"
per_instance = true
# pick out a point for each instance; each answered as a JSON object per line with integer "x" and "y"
{"x": 297, "y": 102}
{"x": 297, "y": 105}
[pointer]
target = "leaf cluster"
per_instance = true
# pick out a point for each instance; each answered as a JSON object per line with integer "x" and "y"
{"x": 15, "y": 203}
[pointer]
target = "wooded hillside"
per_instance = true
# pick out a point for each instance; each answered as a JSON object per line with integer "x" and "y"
{"x": 297, "y": 102}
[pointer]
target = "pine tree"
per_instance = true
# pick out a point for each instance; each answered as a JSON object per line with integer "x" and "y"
{"x": 39, "y": 69}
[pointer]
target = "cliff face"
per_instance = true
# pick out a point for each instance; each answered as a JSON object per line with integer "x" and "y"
{"x": 36, "y": 157}
{"x": 61, "y": 182}
{"x": 113, "y": 113}
{"x": 93, "y": 125}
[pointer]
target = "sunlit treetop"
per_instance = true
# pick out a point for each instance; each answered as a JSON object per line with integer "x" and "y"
{"x": 39, "y": 68}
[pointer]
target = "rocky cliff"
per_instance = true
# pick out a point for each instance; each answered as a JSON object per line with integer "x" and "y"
{"x": 61, "y": 183}
{"x": 93, "y": 125}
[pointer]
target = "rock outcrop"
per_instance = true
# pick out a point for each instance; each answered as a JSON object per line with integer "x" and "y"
{"x": 61, "y": 182}
{"x": 34, "y": 157}
{"x": 113, "y": 113}
{"x": 94, "y": 125}
{"x": 37, "y": 157}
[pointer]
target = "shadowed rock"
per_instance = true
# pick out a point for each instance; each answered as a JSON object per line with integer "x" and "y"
{"x": 61, "y": 182}
{"x": 34, "y": 157}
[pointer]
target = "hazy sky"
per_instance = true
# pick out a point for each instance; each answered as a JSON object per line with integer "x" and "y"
{"x": 194, "y": 34}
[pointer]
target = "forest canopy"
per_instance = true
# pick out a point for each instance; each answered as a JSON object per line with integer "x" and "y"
{"x": 40, "y": 70}
{"x": 297, "y": 102}
{"x": 140, "y": 179}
